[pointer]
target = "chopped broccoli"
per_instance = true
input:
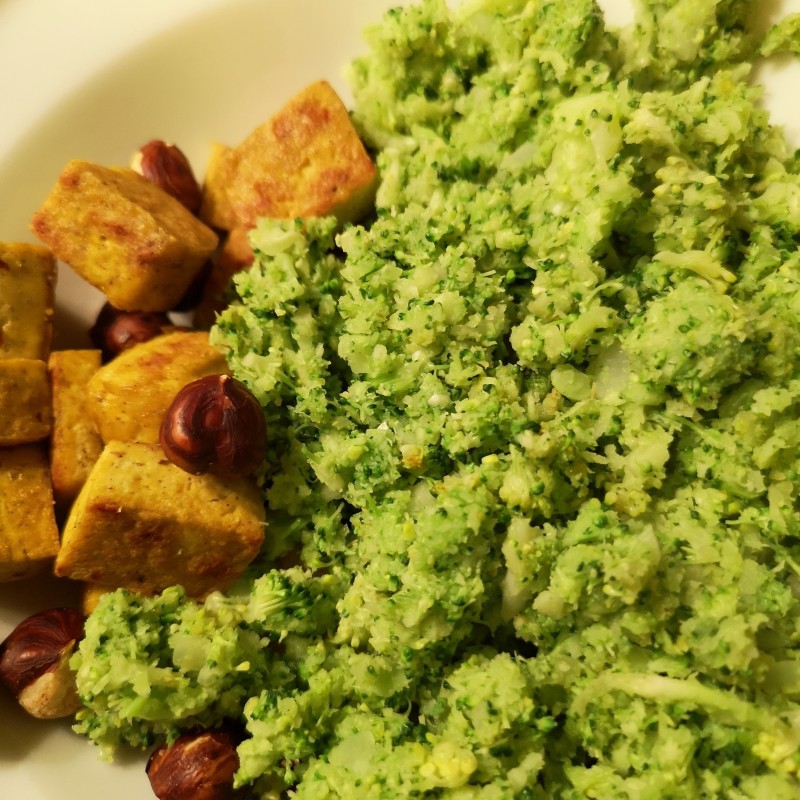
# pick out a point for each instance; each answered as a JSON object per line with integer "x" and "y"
{"x": 534, "y": 436}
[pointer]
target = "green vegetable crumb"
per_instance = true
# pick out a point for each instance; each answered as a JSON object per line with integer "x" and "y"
{"x": 535, "y": 452}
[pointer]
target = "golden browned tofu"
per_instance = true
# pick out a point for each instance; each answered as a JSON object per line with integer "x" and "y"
{"x": 90, "y": 596}
{"x": 128, "y": 397}
{"x": 28, "y": 532}
{"x": 144, "y": 524}
{"x": 25, "y": 413}
{"x": 75, "y": 443}
{"x": 215, "y": 209}
{"x": 306, "y": 161}
{"x": 27, "y": 285}
{"x": 234, "y": 256}
{"x": 124, "y": 235}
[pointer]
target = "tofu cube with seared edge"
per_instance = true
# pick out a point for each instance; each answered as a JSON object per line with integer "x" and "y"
{"x": 27, "y": 286}
{"x": 124, "y": 235}
{"x": 128, "y": 397}
{"x": 306, "y": 161}
{"x": 28, "y": 532}
{"x": 144, "y": 524}
{"x": 25, "y": 410}
{"x": 75, "y": 443}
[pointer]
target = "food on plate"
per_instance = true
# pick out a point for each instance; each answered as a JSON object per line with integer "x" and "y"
{"x": 90, "y": 596}
{"x": 142, "y": 523}
{"x": 306, "y": 161}
{"x": 196, "y": 766}
{"x": 25, "y": 413}
{"x": 27, "y": 284}
{"x": 214, "y": 424}
{"x": 233, "y": 256}
{"x": 75, "y": 444}
{"x": 215, "y": 209}
{"x": 124, "y": 234}
{"x": 533, "y": 461}
{"x": 28, "y": 531}
{"x": 115, "y": 330}
{"x": 128, "y": 397}
{"x": 166, "y": 166}
{"x": 34, "y": 662}
{"x": 27, "y": 281}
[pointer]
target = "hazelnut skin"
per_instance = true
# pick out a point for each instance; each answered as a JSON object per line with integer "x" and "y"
{"x": 34, "y": 662}
{"x": 167, "y": 167}
{"x": 196, "y": 766}
{"x": 214, "y": 424}
{"x": 115, "y": 330}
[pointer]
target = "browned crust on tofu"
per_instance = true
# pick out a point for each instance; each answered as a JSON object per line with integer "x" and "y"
{"x": 306, "y": 161}
{"x": 128, "y": 397}
{"x": 142, "y": 523}
{"x": 124, "y": 235}
{"x": 28, "y": 532}
{"x": 27, "y": 289}
{"x": 215, "y": 209}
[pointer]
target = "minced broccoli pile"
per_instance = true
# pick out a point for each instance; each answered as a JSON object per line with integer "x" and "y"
{"x": 534, "y": 528}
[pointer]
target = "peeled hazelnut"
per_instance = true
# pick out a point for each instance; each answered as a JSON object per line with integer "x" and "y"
{"x": 115, "y": 330}
{"x": 196, "y": 766}
{"x": 166, "y": 166}
{"x": 34, "y": 662}
{"x": 214, "y": 424}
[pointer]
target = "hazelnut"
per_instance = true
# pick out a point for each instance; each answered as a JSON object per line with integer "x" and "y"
{"x": 214, "y": 424}
{"x": 196, "y": 766}
{"x": 34, "y": 662}
{"x": 167, "y": 167}
{"x": 115, "y": 330}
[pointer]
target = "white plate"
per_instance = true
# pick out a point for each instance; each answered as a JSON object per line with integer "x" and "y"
{"x": 95, "y": 79}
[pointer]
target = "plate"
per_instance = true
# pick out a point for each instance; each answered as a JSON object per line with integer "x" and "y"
{"x": 95, "y": 80}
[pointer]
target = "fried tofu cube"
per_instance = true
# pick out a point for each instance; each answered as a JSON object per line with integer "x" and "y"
{"x": 306, "y": 161}
{"x": 124, "y": 235}
{"x": 28, "y": 532}
{"x": 128, "y": 397}
{"x": 75, "y": 443}
{"x": 234, "y": 256}
{"x": 144, "y": 524}
{"x": 27, "y": 287}
{"x": 25, "y": 413}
